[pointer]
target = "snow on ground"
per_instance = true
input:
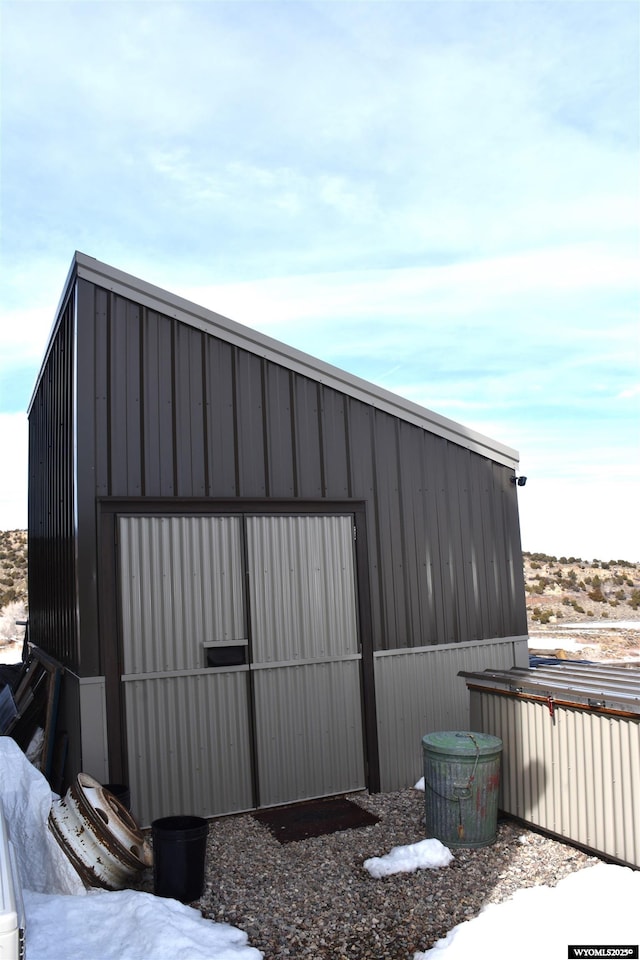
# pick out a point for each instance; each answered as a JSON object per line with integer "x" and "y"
{"x": 126, "y": 925}
{"x": 425, "y": 855}
{"x": 552, "y": 641}
{"x": 603, "y": 625}
{"x": 597, "y": 905}
{"x": 611, "y": 640}
{"x": 64, "y": 921}
{"x": 11, "y": 652}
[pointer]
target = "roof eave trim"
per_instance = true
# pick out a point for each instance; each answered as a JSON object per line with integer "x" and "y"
{"x": 172, "y": 305}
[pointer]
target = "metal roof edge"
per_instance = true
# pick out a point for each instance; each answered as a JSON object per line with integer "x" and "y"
{"x": 239, "y": 335}
{"x": 64, "y": 296}
{"x": 439, "y": 647}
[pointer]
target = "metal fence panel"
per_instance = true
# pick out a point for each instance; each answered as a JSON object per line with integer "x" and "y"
{"x": 419, "y": 691}
{"x": 574, "y": 772}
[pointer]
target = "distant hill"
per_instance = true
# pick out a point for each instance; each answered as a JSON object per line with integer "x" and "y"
{"x": 13, "y": 585}
{"x": 13, "y": 566}
{"x": 575, "y": 590}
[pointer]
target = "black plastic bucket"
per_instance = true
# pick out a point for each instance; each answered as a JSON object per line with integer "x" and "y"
{"x": 179, "y": 847}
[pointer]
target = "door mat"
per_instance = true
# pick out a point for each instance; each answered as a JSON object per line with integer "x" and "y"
{"x": 314, "y": 818}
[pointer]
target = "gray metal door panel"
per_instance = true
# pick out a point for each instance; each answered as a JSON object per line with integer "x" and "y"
{"x": 308, "y": 730}
{"x": 182, "y": 581}
{"x": 303, "y": 602}
{"x": 188, "y": 730}
{"x": 306, "y": 657}
{"x": 191, "y": 743}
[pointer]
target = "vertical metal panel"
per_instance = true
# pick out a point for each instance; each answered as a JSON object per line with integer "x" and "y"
{"x": 158, "y": 406}
{"x": 395, "y": 624}
{"x": 96, "y": 300}
{"x": 307, "y": 437}
{"x": 441, "y": 513}
{"x": 279, "y": 426}
{"x": 309, "y": 739}
{"x": 53, "y": 619}
{"x": 189, "y": 412}
{"x": 187, "y": 733}
{"x": 335, "y": 444}
{"x": 302, "y": 588}
{"x": 309, "y": 734}
{"x": 362, "y": 480}
{"x": 93, "y": 724}
{"x": 182, "y": 581}
{"x": 576, "y": 773}
{"x": 189, "y": 748}
{"x": 419, "y": 537}
{"x": 125, "y": 388}
{"x": 419, "y": 691}
{"x": 250, "y": 425}
{"x": 221, "y": 419}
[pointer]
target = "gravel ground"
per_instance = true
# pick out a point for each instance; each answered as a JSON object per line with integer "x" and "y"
{"x": 313, "y": 900}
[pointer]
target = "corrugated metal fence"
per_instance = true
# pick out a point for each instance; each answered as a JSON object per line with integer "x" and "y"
{"x": 418, "y": 691}
{"x": 571, "y": 759}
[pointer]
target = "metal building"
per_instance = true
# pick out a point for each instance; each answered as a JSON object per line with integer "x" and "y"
{"x": 261, "y": 574}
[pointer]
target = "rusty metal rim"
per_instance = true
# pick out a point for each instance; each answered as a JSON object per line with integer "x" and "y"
{"x": 98, "y": 854}
{"x": 120, "y": 828}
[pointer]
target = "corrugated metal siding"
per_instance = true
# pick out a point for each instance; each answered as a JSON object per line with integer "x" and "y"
{"x": 188, "y": 415}
{"x": 309, "y": 739}
{"x": 419, "y": 691}
{"x": 182, "y": 583}
{"x": 302, "y": 588}
{"x": 308, "y": 731}
{"x": 576, "y": 773}
{"x": 188, "y": 736}
{"x": 53, "y": 615}
{"x": 189, "y": 744}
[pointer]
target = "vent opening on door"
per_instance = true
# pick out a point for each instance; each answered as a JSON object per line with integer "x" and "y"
{"x": 227, "y": 656}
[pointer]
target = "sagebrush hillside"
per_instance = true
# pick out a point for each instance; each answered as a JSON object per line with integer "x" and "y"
{"x": 13, "y": 566}
{"x": 571, "y": 589}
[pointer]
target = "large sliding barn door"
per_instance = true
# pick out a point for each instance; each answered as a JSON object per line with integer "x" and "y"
{"x": 229, "y": 704}
{"x": 305, "y": 657}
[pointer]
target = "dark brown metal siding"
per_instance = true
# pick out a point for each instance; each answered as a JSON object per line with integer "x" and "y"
{"x": 183, "y": 414}
{"x": 52, "y": 568}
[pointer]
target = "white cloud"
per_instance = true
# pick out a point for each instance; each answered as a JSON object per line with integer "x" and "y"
{"x": 525, "y": 299}
{"x": 24, "y": 334}
{"x": 630, "y": 392}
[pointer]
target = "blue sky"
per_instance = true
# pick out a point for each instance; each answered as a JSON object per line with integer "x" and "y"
{"x": 440, "y": 197}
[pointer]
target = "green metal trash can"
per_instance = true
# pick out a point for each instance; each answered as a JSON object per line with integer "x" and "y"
{"x": 461, "y": 782}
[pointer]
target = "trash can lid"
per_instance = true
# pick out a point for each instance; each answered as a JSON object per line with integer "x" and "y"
{"x": 462, "y": 743}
